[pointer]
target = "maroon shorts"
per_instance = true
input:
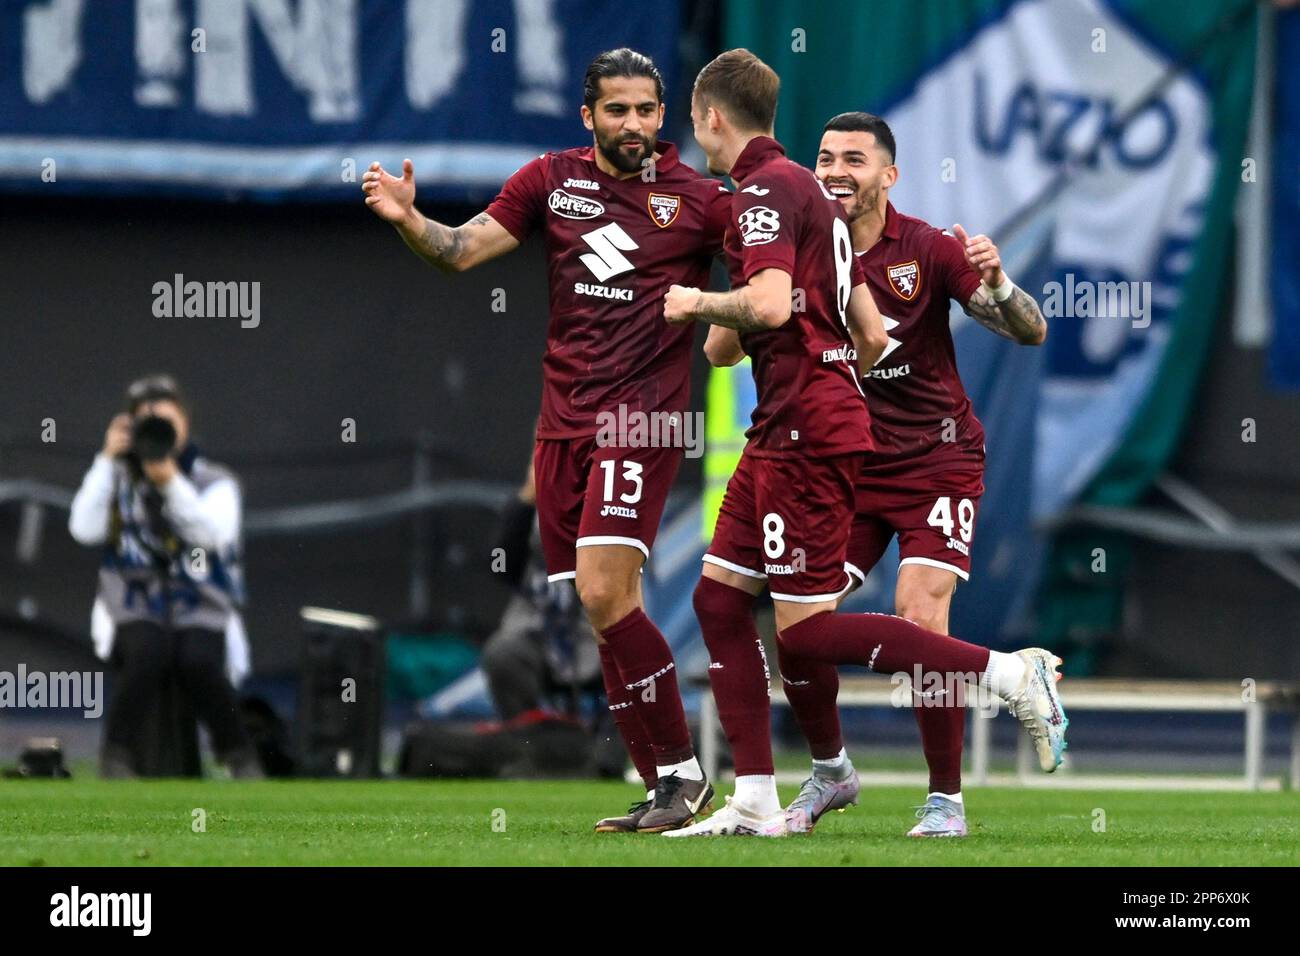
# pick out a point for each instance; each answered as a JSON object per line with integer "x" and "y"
{"x": 787, "y": 521}
{"x": 934, "y": 519}
{"x": 592, "y": 494}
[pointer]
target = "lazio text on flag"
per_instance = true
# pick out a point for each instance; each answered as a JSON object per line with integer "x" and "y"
{"x": 1095, "y": 186}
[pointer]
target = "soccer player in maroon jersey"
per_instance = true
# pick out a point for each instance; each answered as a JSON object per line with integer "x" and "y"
{"x": 786, "y": 516}
{"x": 924, "y": 479}
{"x": 623, "y": 219}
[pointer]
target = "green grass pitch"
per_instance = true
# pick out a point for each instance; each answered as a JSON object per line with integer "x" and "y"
{"x": 88, "y": 822}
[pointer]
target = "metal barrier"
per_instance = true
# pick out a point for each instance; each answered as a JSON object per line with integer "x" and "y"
{"x": 1079, "y": 695}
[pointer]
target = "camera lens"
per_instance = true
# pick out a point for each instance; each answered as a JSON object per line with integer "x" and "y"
{"x": 152, "y": 438}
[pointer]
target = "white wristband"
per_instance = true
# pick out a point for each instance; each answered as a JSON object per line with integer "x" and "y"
{"x": 1002, "y": 292}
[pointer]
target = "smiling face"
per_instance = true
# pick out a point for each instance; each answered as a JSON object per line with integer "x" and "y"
{"x": 856, "y": 170}
{"x": 625, "y": 119}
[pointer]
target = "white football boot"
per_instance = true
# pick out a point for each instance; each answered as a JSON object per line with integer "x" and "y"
{"x": 735, "y": 819}
{"x": 1036, "y": 704}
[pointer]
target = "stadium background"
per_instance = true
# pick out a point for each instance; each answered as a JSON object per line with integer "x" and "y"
{"x": 165, "y": 169}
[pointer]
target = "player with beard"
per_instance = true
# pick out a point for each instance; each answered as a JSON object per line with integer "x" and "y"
{"x": 622, "y": 219}
{"x": 924, "y": 479}
{"x": 787, "y": 512}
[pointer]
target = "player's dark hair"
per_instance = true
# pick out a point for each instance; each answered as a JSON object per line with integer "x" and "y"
{"x": 744, "y": 86}
{"x": 864, "y": 123}
{"x": 621, "y": 62}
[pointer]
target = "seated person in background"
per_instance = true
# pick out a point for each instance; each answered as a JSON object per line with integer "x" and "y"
{"x": 543, "y": 644}
{"x": 168, "y": 520}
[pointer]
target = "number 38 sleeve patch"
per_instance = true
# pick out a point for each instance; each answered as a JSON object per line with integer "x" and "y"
{"x": 759, "y": 225}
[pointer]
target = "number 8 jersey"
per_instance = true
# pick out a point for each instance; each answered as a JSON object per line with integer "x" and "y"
{"x": 613, "y": 247}
{"x": 809, "y": 402}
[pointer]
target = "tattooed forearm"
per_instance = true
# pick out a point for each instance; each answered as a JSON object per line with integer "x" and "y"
{"x": 1018, "y": 318}
{"x": 438, "y": 245}
{"x": 442, "y": 246}
{"x": 731, "y": 310}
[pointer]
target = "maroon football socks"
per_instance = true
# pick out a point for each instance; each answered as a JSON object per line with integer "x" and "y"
{"x": 623, "y": 710}
{"x": 646, "y": 665}
{"x": 811, "y": 688}
{"x": 943, "y": 724}
{"x": 883, "y": 642}
{"x": 738, "y": 673}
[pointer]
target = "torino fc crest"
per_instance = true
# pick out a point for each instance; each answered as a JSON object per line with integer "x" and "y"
{"x": 905, "y": 279}
{"x": 663, "y": 209}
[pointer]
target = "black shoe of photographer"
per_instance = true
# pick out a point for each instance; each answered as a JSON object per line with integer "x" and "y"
{"x": 115, "y": 764}
{"x": 244, "y": 765}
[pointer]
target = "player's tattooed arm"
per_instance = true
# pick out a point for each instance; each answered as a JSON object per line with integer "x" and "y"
{"x": 459, "y": 248}
{"x": 762, "y": 303}
{"x": 731, "y": 310}
{"x": 392, "y": 198}
{"x": 1018, "y": 318}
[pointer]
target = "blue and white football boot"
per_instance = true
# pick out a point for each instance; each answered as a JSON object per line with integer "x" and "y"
{"x": 1037, "y": 705}
{"x": 819, "y": 795}
{"x": 940, "y": 817}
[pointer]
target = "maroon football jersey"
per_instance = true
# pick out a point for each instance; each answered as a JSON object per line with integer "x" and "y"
{"x": 613, "y": 248}
{"x": 809, "y": 402}
{"x": 914, "y": 390}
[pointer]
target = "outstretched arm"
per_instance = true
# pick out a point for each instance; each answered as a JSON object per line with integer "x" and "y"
{"x": 999, "y": 304}
{"x": 450, "y": 249}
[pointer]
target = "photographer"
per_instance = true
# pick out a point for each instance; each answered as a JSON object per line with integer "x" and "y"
{"x": 169, "y": 523}
{"x": 543, "y": 645}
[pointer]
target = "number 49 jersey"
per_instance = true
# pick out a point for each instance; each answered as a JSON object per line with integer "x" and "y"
{"x": 613, "y": 247}
{"x": 805, "y": 371}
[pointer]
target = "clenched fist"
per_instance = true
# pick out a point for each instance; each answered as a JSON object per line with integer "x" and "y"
{"x": 679, "y": 304}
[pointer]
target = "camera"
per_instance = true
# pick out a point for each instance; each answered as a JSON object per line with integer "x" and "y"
{"x": 152, "y": 438}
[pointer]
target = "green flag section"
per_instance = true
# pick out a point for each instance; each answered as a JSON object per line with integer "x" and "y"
{"x": 848, "y": 54}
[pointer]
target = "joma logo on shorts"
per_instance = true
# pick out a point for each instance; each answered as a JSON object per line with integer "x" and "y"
{"x": 958, "y": 546}
{"x": 779, "y": 568}
{"x": 617, "y": 511}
